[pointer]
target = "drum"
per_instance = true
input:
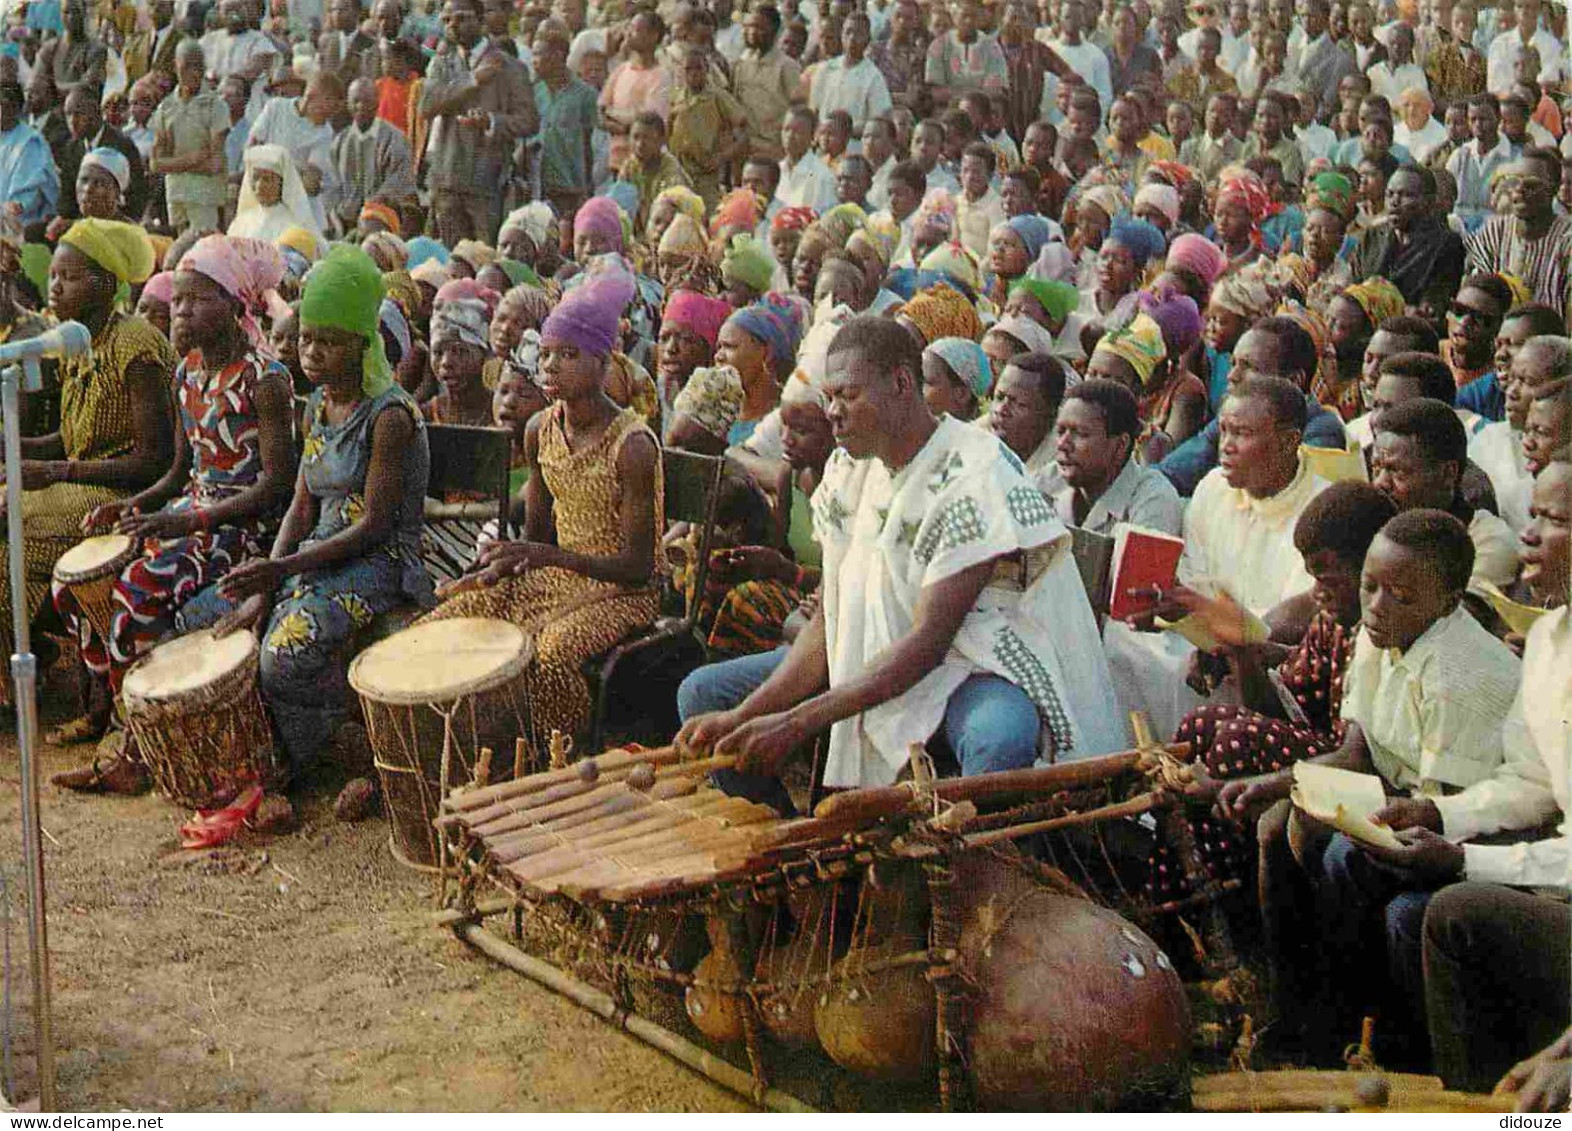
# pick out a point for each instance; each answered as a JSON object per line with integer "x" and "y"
{"x": 89, "y": 569}
{"x": 434, "y": 695}
{"x": 192, "y": 706}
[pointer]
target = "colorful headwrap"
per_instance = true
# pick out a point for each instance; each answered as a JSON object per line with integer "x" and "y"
{"x": 1198, "y": 255}
{"x": 1176, "y": 315}
{"x": 696, "y": 313}
{"x": 344, "y": 292}
{"x": 882, "y": 235}
{"x": 793, "y": 219}
{"x": 589, "y": 314}
{"x": 475, "y": 253}
{"x": 390, "y": 252}
{"x": 683, "y": 237}
{"x": 467, "y": 290}
{"x": 1109, "y": 199}
{"x": 384, "y": 214}
{"x": 1331, "y": 192}
{"x": 1175, "y": 173}
{"x": 1238, "y": 185}
{"x": 1248, "y": 292}
{"x": 518, "y": 273}
{"x": 401, "y": 288}
{"x": 464, "y": 320}
{"x": 121, "y": 249}
{"x": 747, "y": 262}
{"x": 599, "y": 215}
{"x": 111, "y": 161}
{"x": 1144, "y": 239}
{"x": 967, "y": 361}
{"x": 247, "y": 270}
{"x": 1519, "y": 289}
{"x": 942, "y": 312}
{"x": 1294, "y": 273}
{"x": 713, "y": 399}
{"x": 1056, "y": 298}
{"x": 1164, "y": 198}
{"x": 1140, "y": 343}
{"x": 301, "y": 241}
{"x": 907, "y": 281}
{"x": 955, "y": 260}
{"x": 937, "y": 210}
{"x": 533, "y": 303}
{"x": 431, "y": 273}
{"x": 776, "y": 321}
{"x": 687, "y": 202}
{"x": 1378, "y": 298}
{"x": 160, "y": 287}
{"x": 841, "y": 221}
{"x": 1034, "y": 231}
{"x": 1323, "y": 381}
{"x": 1027, "y": 331}
{"x": 739, "y": 208}
{"x": 536, "y": 220}
{"x": 424, "y": 249}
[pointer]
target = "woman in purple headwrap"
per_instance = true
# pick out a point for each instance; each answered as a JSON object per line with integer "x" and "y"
{"x": 1173, "y": 399}
{"x": 219, "y": 503}
{"x": 583, "y": 576}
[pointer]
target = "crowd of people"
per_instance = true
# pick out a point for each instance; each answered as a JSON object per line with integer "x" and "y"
{"x": 954, "y": 288}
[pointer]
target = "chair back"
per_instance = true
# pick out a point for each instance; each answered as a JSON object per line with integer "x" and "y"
{"x": 693, "y": 495}
{"x": 470, "y": 459}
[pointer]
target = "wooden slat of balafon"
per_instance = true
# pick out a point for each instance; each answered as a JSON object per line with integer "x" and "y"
{"x": 615, "y": 759}
{"x": 1314, "y": 1090}
{"x": 586, "y": 830}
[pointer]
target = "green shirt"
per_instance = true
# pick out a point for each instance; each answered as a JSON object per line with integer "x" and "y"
{"x": 567, "y": 118}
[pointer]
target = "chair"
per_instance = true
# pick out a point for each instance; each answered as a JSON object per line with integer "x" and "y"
{"x": 1094, "y": 559}
{"x": 692, "y": 485}
{"x": 465, "y": 461}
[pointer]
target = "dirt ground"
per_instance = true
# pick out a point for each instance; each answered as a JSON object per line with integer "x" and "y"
{"x": 297, "y": 972}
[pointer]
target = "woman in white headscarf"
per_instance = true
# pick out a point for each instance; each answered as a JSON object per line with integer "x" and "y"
{"x": 272, "y": 197}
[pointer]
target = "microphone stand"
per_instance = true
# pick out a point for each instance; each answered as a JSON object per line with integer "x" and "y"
{"x": 24, "y": 678}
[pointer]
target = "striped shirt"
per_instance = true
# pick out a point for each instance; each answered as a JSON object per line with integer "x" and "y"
{"x": 1541, "y": 264}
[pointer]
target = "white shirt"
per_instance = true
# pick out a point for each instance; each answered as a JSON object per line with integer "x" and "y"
{"x": 226, "y": 54}
{"x": 1393, "y": 81}
{"x": 808, "y": 184}
{"x": 879, "y": 191}
{"x": 1316, "y": 140}
{"x": 281, "y": 123}
{"x": 1420, "y": 143}
{"x": 1495, "y": 550}
{"x": 975, "y": 219}
{"x": 1505, "y": 52}
{"x": 963, "y": 500}
{"x": 1235, "y": 50}
{"x": 859, "y": 90}
{"x": 1498, "y": 451}
{"x": 1530, "y": 785}
{"x": 1091, "y": 63}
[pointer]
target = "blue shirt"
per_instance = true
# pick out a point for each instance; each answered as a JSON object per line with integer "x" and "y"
{"x": 1485, "y": 396}
{"x": 568, "y": 117}
{"x": 27, "y": 174}
{"x": 1218, "y": 365}
{"x": 1188, "y": 464}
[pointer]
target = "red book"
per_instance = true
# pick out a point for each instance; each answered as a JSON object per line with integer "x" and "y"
{"x": 1142, "y": 560}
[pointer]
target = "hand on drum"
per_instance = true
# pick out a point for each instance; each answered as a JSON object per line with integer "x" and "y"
{"x": 502, "y": 560}
{"x": 105, "y": 516}
{"x": 251, "y": 579}
{"x": 159, "y": 524}
{"x": 248, "y": 615}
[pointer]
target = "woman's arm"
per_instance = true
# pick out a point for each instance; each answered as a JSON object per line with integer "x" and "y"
{"x": 1186, "y": 417}
{"x": 152, "y": 445}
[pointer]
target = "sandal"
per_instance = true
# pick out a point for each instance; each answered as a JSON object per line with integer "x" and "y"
{"x": 80, "y": 730}
{"x": 117, "y": 775}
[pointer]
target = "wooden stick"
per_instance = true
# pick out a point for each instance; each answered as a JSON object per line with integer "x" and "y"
{"x": 889, "y": 801}
{"x": 616, "y": 814}
{"x": 615, "y": 759}
{"x": 1129, "y": 808}
{"x": 611, "y": 797}
{"x": 520, "y": 758}
{"x": 646, "y": 843}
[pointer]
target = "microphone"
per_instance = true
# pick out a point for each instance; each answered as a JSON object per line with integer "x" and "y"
{"x": 69, "y": 339}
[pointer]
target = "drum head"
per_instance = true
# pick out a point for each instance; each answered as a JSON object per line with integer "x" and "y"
{"x": 88, "y": 558}
{"x": 188, "y": 663}
{"x": 441, "y": 660}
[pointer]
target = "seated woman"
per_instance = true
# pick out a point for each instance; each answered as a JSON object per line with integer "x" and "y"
{"x": 688, "y": 332}
{"x": 115, "y": 412}
{"x": 153, "y": 303}
{"x": 1352, "y": 317}
{"x": 518, "y": 315}
{"x": 786, "y": 232}
{"x": 1329, "y": 210}
{"x": 529, "y": 236}
{"x": 956, "y": 378}
{"x": 460, "y": 348}
{"x": 600, "y": 243}
{"x": 1013, "y": 247}
{"x": 1292, "y": 711}
{"x": 349, "y": 545}
{"x": 759, "y": 343}
{"x": 747, "y": 272}
{"x": 583, "y": 577}
{"x": 1242, "y": 203}
{"x": 1052, "y": 305}
{"x": 1121, "y": 265}
{"x": 217, "y": 504}
{"x": 679, "y": 200}
{"x": 682, "y": 252}
{"x": 1137, "y": 357}
{"x": 272, "y": 197}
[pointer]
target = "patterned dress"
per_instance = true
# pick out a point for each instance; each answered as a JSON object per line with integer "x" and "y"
{"x": 316, "y": 614}
{"x": 219, "y": 415}
{"x": 1236, "y": 742}
{"x": 96, "y": 423}
{"x": 572, "y": 617}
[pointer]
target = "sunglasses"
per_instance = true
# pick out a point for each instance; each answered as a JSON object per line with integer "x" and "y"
{"x": 1462, "y": 313}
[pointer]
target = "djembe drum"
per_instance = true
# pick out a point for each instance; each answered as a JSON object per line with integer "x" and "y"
{"x": 193, "y": 707}
{"x": 89, "y": 570}
{"x": 434, "y": 696}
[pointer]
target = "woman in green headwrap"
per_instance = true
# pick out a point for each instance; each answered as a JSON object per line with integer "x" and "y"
{"x": 349, "y": 547}
{"x": 116, "y": 430}
{"x": 1321, "y": 271}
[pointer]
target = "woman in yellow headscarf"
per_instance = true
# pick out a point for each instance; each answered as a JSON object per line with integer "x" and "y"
{"x": 116, "y": 421}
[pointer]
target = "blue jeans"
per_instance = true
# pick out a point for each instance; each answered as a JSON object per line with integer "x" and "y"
{"x": 990, "y": 723}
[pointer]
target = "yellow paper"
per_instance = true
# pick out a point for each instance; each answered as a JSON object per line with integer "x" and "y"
{"x": 1336, "y": 464}
{"x": 1343, "y": 799}
{"x": 1519, "y": 617}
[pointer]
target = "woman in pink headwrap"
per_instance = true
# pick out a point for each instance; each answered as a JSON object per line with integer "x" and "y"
{"x": 153, "y": 303}
{"x": 218, "y": 504}
{"x": 687, "y": 340}
{"x": 1193, "y": 265}
{"x": 583, "y": 576}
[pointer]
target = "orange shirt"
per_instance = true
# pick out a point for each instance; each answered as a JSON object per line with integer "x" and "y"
{"x": 393, "y": 102}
